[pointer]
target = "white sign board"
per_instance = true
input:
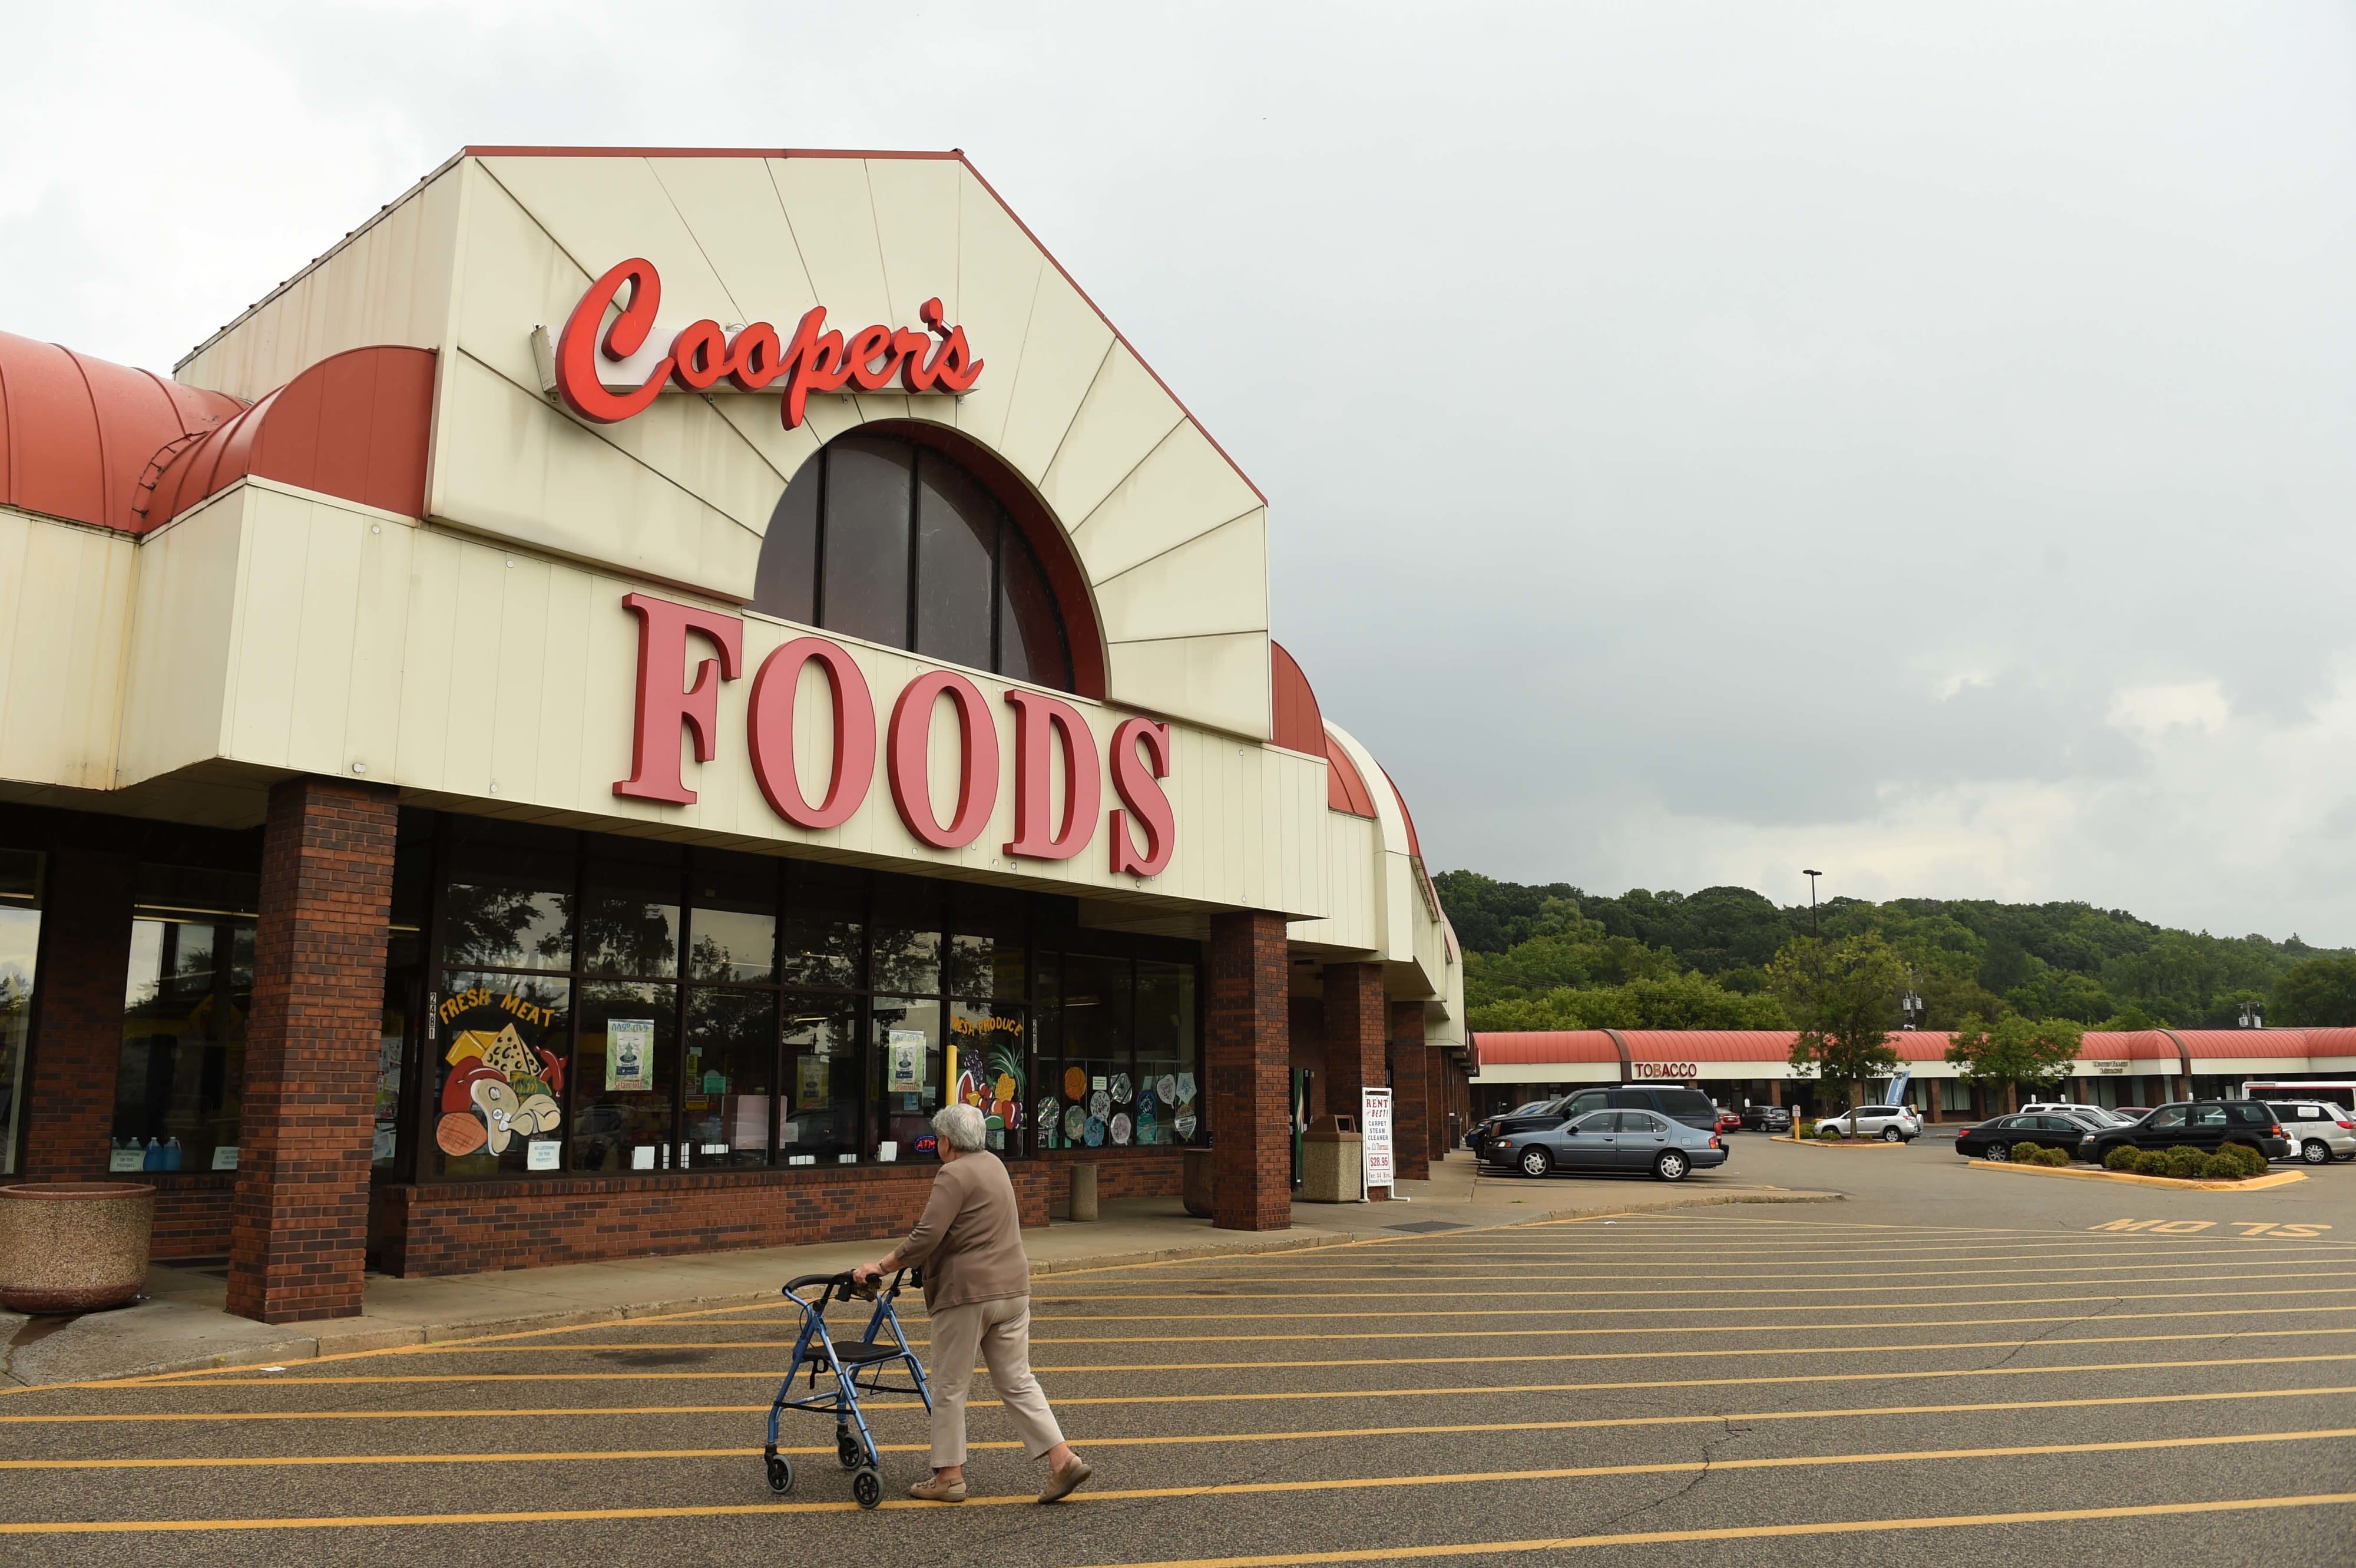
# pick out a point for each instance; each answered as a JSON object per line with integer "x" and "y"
{"x": 1375, "y": 1123}
{"x": 904, "y": 1071}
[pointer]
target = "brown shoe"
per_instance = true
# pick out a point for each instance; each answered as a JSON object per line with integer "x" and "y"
{"x": 933, "y": 1489}
{"x": 1063, "y": 1483}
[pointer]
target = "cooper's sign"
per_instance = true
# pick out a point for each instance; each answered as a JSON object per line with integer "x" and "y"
{"x": 1047, "y": 732}
{"x": 608, "y": 373}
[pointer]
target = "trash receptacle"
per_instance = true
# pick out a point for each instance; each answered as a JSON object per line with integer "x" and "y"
{"x": 74, "y": 1246}
{"x": 1084, "y": 1192}
{"x": 1201, "y": 1199}
{"x": 1332, "y": 1161}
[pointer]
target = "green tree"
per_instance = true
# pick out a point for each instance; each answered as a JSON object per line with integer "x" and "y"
{"x": 1843, "y": 994}
{"x": 2317, "y": 991}
{"x": 1661, "y": 1002}
{"x": 2015, "y": 1052}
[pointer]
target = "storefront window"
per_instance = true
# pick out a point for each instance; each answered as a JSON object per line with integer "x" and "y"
{"x": 20, "y": 944}
{"x": 901, "y": 544}
{"x": 629, "y": 923}
{"x": 988, "y": 1068}
{"x": 510, "y": 901}
{"x": 730, "y": 1052}
{"x": 628, "y": 1056}
{"x": 907, "y": 1079}
{"x": 821, "y": 1121}
{"x": 907, "y": 934}
{"x": 1167, "y": 1110}
{"x": 181, "y": 1075}
{"x": 825, "y": 940}
{"x": 1118, "y": 1061}
{"x": 499, "y": 1101}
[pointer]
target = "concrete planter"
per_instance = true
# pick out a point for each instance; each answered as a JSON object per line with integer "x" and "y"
{"x": 73, "y": 1246}
{"x": 1197, "y": 1185}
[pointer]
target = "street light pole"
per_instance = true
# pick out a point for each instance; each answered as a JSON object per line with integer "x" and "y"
{"x": 1812, "y": 877}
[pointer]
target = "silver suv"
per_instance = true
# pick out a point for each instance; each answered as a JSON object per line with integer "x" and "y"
{"x": 1890, "y": 1123}
{"x": 2318, "y": 1132}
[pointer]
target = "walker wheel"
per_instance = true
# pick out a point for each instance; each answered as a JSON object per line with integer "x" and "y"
{"x": 781, "y": 1474}
{"x": 848, "y": 1451}
{"x": 868, "y": 1488}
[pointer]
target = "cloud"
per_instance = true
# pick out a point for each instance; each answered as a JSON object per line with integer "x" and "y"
{"x": 1703, "y": 440}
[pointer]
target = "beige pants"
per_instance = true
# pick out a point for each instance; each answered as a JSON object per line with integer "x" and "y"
{"x": 1001, "y": 1331}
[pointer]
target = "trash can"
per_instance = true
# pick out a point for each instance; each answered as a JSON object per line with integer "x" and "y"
{"x": 1084, "y": 1192}
{"x": 74, "y": 1246}
{"x": 1201, "y": 1201}
{"x": 1332, "y": 1161}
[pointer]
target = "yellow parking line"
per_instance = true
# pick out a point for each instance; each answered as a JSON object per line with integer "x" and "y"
{"x": 1232, "y": 1488}
{"x": 1748, "y": 1533}
{"x": 1455, "y": 1333}
{"x": 518, "y": 1456}
{"x": 1452, "y": 1390}
{"x": 1428, "y": 1282}
{"x": 676, "y": 1375}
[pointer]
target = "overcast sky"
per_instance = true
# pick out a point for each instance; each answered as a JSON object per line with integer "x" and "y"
{"x": 1704, "y": 441}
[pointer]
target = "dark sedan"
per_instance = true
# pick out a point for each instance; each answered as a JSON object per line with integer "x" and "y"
{"x": 1994, "y": 1139}
{"x": 1628, "y": 1142}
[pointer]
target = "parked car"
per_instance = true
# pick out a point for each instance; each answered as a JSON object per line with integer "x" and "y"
{"x": 2099, "y": 1115}
{"x": 1994, "y": 1139}
{"x": 1767, "y": 1118}
{"x": 2205, "y": 1125}
{"x": 2319, "y": 1131}
{"x": 1521, "y": 1118}
{"x": 1728, "y": 1122}
{"x": 1690, "y": 1106}
{"x": 1890, "y": 1123}
{"x": 1627, "y": 1141}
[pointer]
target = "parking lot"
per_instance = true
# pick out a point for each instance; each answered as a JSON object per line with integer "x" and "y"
{"x": 1951, "y": 1363}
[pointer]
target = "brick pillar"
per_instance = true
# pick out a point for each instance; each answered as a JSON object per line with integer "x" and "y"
{"x": 1250, "y": 1056}
{"x": 298, "y": 1228}
{"x": 1357, "y": 1024}
{"x": 77, "y": 1034}
{"x": 1411, "y": 1092}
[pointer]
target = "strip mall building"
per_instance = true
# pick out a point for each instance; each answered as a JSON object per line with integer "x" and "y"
{"x": 567, "y": 729}
{"x": 1742, "y": 1066}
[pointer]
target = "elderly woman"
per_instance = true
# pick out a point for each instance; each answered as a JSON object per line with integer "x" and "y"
{"x": 977, "y": 1290}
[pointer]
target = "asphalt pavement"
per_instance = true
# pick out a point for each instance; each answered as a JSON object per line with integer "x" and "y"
{"x": 1950, "y": 1365}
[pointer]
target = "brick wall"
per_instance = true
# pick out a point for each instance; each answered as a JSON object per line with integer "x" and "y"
{"x": 1247, "y": 1061}
{"x": 1412, "y": 1073}
{"x": 298, "y": 1225}
{"x": 1157, "y": 1172}
{"x": 478, "y": 1227}
{"x": 77, "y": 1025}
{"x": 191, "y": 1214}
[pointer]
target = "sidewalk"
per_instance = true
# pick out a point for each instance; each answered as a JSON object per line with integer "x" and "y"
{"x": 181, "y": 1326}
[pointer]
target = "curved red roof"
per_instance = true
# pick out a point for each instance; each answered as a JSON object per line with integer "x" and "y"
{"x": 1295, "y": 719}
{"x": 2126, "y": 1045}
{"x": 80, "y": 438}
{"x": 2217, "y": 1045}
{"x": 353, "y": 426}
{"x": 1543, "y": 1045}
{"x": 2330, "y": 1042}
{"x": 1709, "y": 1045}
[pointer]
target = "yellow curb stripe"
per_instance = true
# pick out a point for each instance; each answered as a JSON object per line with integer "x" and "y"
{"x": 1233, "y": 1488}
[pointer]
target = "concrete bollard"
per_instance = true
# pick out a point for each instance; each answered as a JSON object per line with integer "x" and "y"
{"x": 1083, "y": 1192}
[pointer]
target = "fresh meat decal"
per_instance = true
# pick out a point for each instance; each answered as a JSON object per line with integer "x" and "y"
{"x": 500, "y": 1087}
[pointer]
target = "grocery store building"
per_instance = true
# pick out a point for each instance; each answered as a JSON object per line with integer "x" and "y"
{"x": 570, "y": 727}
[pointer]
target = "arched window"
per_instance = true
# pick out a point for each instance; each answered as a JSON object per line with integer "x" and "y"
{"x": 895, "y": 542}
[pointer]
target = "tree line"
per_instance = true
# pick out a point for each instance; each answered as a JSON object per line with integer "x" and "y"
{"x": 2017, "y": 982}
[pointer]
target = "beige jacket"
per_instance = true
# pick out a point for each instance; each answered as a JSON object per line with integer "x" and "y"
{"x": 970, "y": 1240}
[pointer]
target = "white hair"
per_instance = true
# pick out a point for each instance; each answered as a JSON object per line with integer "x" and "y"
{"x": 962, "y": 1125}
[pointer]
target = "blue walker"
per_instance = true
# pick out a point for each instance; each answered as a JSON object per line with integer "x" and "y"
{"x": 855, "y": 1367}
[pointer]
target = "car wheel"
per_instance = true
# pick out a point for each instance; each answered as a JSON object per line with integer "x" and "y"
{"x": 1534, "y": 1162}
{"x": 1672, "y": 1165}
{"x": 1997, "y": 1151}
{"x": 2317, "y": 1152}
{"x": 1892, "y": 1135}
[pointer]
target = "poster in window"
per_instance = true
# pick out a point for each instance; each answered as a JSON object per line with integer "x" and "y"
{"x": 500, "y": 1084}
{"x": 905, "y": 1067}
{"x": 990, "y": 1070}
{"x": 630, "y": 1054}
{"x": 810, "y": 1082}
